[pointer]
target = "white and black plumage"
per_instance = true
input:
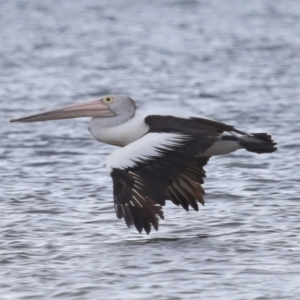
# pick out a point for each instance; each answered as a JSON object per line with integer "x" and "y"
{"x": 161, "y": 156}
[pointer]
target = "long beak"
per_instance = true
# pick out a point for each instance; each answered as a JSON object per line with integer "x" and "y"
{"x": 89, "y": 109}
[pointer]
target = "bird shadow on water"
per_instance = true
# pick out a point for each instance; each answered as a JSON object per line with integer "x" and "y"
{"x": 150, "y": 240}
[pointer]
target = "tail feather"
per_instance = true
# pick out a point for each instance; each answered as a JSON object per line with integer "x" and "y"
{"x": 258, "y": 143}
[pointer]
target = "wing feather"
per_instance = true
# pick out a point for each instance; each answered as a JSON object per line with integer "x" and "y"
{"x": 178, "y": 196}
{"x": 165, "y": 164}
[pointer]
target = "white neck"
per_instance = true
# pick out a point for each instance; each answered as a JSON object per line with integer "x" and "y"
{"x": 123, "y": 130}
{"x": 108, "y": 122}
{"x": 121, "y": 134}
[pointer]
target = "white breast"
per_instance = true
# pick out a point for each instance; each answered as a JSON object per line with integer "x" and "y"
{"x": 120, "y": 135}
{"x": 129, "y": 131}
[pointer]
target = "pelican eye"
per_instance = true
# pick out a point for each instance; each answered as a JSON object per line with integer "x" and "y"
{"x": 108, "y": 100}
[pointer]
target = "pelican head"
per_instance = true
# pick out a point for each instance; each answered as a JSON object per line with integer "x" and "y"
{"x": 109, "y": 106}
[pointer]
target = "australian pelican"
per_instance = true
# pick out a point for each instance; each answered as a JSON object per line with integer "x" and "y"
{"x": 161, "y": 156}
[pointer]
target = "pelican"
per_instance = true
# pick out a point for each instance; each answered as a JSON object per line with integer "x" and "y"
{"x": 161, "y": 155}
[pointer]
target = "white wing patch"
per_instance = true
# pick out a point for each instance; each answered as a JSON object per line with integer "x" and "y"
{"x": 145, "y": 148}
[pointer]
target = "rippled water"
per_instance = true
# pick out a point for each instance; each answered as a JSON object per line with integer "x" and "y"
{"x": 234, "y": 61}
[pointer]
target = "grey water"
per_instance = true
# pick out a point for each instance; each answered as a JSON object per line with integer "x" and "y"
{"x": 233, "y": 61}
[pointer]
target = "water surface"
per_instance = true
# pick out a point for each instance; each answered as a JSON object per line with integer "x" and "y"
{"x": 233, "y": 61}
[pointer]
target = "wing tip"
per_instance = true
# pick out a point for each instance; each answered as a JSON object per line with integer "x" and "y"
{"x": 143, "y": 218}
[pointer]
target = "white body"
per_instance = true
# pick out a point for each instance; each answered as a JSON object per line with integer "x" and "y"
{"x": 140, "y": 145}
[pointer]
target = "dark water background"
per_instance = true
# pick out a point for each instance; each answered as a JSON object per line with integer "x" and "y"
{"x": 234, "y": 61}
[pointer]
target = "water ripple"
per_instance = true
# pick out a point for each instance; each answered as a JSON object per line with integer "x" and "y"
{"x": 224, "y": 60}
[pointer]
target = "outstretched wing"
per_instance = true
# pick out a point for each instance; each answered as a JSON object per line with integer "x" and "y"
{"x": 152, "y": 170}
{"x": 164, "y": 164}
{"x": 186, "y": 189}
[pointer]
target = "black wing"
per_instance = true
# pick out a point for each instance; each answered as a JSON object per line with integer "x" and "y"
{"x": 176, "y": 174}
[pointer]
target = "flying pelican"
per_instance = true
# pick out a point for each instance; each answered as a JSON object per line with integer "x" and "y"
{"x": 161, "y": 156}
